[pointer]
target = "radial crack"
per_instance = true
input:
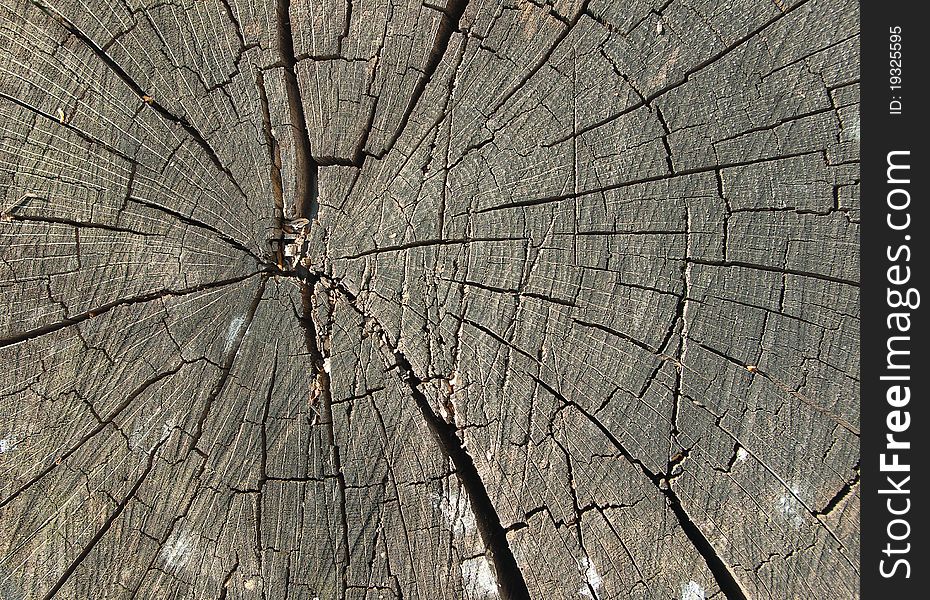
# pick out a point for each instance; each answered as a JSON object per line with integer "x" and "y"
{"x": 106, "y": 307}
{"x": 510, "y": 581}
{"x": 316, "y": 339}
{"x": 120, "y": 507}
{"x": 306, "y": 203}
{"x": 448, "y": 24}
{"x": 228, "y": 362}
{"x": 725, "y": 579}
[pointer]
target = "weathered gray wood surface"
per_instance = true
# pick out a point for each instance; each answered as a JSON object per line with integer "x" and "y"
{"x": 580, "y": 316}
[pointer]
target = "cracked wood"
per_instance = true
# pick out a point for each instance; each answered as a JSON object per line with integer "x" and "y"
{"x": 573, "y": 313}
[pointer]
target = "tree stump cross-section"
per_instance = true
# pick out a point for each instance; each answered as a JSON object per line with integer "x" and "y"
{"x": 412, "y": 299}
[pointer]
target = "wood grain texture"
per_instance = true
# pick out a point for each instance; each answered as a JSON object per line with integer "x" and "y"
{"x": 576, "y": 314}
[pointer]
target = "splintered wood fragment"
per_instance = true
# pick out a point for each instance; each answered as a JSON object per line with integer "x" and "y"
{"x": 17, "y": 205}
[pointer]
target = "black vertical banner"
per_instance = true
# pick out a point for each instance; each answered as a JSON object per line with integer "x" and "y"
{"x": 895, "y": 371}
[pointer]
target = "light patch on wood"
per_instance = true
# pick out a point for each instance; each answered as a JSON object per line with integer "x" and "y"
{"x": 692, "y": 591}
{"x": 853, "y": 128}
{"x": 592, "y": 579}
{"x": 144, "y": 426}
{"x": 478, "y": 578}
{"x": 791, "y": 508}
{"x": 661, "y": 76}
{"x": 456, "y": 381}
{"x": 234, "y": 326}
{"x": 456, "y": 511}
{"x": 177, "y": 551}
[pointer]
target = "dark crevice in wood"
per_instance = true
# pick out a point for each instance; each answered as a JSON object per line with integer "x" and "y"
{"x": 103, "y": 308}
{"x": 274, "y": 158}
{"x": 518, "y": 293}
{"x": 840, "y": 495}
{"x": 111, "y": 518}
{"x": 732, "y": 461}
{"x": 510, "y": 579}
{"x": 721, "y": 572}
{"x": 428, "y": 242}
{"x": 725, "y": 579}
{"x": 227, "y": 581}
{"x": 725, "y": 227}
{"x": 237, "y": 28}
{"x": 632, "y": 182}
{"x": 760, "y": 267}
{"x": 188, "y": 220}
{"x": 665, "y": 133}
{"x": 316, "y": 336}
{"x": 510, "y": 582}
{"x": 263, "y": 459}
{"x": 344, "y": 34}
{"x": 778, "y": 123}
{"x": 306, "y": 202}
{"x": 80, "y": 133}
{"x": 448, "y": 24}
{"x": 76, "y": 224}
{"x": 621, "y": 335}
